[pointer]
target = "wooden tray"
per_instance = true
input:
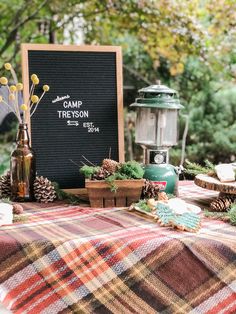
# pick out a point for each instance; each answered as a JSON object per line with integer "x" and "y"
{"x": 211, "y": 183}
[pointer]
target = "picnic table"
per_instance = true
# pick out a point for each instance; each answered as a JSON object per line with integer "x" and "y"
{"x": 73, "y": 259}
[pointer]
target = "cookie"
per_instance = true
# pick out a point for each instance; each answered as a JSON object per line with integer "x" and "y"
{"x": 186, "y": 222}
{"x": 164, "y": 214}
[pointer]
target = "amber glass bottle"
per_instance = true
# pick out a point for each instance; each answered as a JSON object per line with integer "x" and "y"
{"x": 23, "y": 167}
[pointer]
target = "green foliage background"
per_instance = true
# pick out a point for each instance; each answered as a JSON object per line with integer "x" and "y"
{"x": 188, "y": 45}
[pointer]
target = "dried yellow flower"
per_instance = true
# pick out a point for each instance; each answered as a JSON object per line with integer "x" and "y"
{"x": 33, "y": 77}
{"x": 35, "y": 81}
{"x": 23, "y": 107}
{"x": 1, "y": 98}
{"x": 12, "y": 97}
{"x": 34, "y": 99}
{"x": 19, "y": 86}
{"x": 46, "y": 88}
{"x": 7, "y": 66}
{"x": 12, "y": 88}
{"x": 3, "y": 80}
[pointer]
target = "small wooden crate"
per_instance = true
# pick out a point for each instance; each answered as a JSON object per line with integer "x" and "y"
{"x": 100, "y": 195}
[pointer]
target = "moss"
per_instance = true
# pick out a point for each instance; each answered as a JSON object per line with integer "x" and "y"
{"x": 132, "y": 170}
{"x": 88, "y": 171}
{"x": 142, "y": 204}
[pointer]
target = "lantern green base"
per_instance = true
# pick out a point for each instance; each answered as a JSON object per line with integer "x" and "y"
{"x": 164, "y": 175}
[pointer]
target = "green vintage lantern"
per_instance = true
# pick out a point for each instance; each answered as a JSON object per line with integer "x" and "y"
{"x": 156, "y": 131}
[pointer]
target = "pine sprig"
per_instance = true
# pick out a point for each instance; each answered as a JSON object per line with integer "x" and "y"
{"x": 194, "y": 169}
{"x": 232, "y": 214}
{"x": 111, "y": 180}
{"x": 209, "y": 165}
{"x": 64, "y": 196}
{"x": 5, "y": 200}
{"x": 229, "y": 216}
{"x": 216, "y": 215}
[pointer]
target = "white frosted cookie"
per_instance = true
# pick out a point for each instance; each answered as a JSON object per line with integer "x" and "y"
{"x": 225, "y": 172}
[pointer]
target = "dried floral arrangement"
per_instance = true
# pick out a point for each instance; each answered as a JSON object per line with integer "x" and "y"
{"x": 15, "y": 95}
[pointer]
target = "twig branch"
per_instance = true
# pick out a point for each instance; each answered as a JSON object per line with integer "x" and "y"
{"x": 19, "y": 12}
{"x": 88, "y": 161}
{"x": 184, "y": 140}
{"x": 13, "y": 32}
{"x": 137, "y": 75}
{"x": 36, "y": 106}
{"x": 30, "y": 93}
{"x": 73, "y": 162}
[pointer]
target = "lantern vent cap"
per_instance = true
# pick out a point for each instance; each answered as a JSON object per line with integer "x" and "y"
{"x": 158, "y": 96}
{"x": 158, "y": 88}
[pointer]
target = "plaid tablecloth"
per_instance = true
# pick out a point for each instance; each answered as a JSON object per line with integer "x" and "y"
{"x": 83, "y": 260}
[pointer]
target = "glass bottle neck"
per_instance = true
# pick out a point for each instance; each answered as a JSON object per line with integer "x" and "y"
{"x": 22, "y": 135}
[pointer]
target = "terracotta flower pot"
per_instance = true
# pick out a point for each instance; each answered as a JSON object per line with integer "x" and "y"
{"x": 100, "y": 194}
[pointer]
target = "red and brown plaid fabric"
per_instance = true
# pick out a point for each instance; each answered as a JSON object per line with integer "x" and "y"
{"x": 83, "y": 260}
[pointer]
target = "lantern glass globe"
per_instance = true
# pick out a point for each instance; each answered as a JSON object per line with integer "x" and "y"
{"x": 156, "y": 127}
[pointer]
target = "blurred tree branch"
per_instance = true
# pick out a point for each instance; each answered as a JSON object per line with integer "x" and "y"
{"x": 12, "y": 34}
{"x": 137, "y": 75}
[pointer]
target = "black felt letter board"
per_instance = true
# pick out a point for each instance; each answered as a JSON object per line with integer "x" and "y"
{"x": 78, "y": 116}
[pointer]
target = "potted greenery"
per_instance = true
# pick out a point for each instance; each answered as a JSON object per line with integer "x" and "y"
{"x": 113, "y": 184}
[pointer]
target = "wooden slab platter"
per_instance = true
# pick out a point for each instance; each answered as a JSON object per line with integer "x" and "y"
{"x": 211, "y": 183}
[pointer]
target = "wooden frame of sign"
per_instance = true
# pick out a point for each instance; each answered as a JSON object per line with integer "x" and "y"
{"x": 80, "y": 77}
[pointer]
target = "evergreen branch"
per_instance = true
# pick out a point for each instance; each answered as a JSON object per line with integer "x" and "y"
{"x": 64, "y": 196}
{"x": 229, "y": 216}
{"x": 209, "y": 164}
{"x": 195, "y": 169}
{"x": 216, "y": 215}
{"x": 232, "y": 214}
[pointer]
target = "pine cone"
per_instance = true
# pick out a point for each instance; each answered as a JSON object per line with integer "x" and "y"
{"x": 44, "y": 191}
{"x": 221, "y": 204}
{"x": 162, "y": 196}
{"x": 110, "y": 165}
{"x": 150, "y": 190}
{"x": 17, "y": 209}
{"x": 101, "y": 174}
{"x": 5, "y": 185}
